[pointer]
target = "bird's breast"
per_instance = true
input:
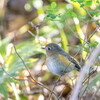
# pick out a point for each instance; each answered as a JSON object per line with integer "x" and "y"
{"x": 56, "y": 67}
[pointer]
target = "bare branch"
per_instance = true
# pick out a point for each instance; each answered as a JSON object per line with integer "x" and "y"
{"x": 32, "y": 78}
{"x": 83, "y": 72}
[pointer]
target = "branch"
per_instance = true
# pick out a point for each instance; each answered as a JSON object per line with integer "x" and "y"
{"x": 32, "y": 78}
{"x": 83, "y": 72}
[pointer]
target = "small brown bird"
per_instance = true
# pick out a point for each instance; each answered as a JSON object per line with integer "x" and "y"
{"x": 58, "y": 61}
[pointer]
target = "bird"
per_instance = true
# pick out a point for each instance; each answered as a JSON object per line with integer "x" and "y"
{"x": 58, "y": 61}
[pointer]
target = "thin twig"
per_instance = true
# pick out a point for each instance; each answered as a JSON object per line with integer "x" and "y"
{"x": 13, "y": 77}
{"x": 83, "y": 72}
{"x": 40, "y": 84}
{"x": 22, "y": 59}
{"x": 87, "y": 82}
{"x": 26, "y": 80}
{"x": 84, "y": 40}
{"x": 54, "y": 87}
{"x": 62, "y": 92}
{"x": 31, "y": 33}
{"x": 89, "y": 14}
{"x": 71, "y": 80}
{"x": 98, "y": 88}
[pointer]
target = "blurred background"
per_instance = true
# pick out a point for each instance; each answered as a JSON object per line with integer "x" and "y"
{"x": 26, "y": 26}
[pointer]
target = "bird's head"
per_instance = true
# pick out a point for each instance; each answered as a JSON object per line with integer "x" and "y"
{"x": 52, "y": 49}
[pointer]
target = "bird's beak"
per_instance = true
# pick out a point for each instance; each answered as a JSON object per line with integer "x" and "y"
{"x": 43, "y": 47}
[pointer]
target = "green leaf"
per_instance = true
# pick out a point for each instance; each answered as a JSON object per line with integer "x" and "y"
{"x": 71, "y": 13}
{"x": 80, "y": 1}
{"x": 49, "y": 8}
{"x": 52, "y": 16}
{"x": 92, "y": 44}
{"x": 82, "y": 5}
{"x": 3, "y": 90}
{"x": 53, "y": 5}
{"x": 3, "y": 45}
{"x": 88, "y": 3}
{"x": 94, "y": 13}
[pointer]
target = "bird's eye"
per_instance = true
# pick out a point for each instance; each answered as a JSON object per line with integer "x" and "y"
{"x": 49, "y": 48}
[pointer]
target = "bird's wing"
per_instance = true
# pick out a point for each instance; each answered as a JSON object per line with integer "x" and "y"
{"x": 75, "y": 62}
{"x": 65, "y": 61}
{"x": 71, "y": 59}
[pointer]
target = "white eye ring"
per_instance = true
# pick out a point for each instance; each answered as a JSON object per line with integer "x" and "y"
{"x": 49, "y": 48}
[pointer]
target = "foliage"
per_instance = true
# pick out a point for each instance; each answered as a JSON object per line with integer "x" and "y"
{"x": 74, "y": 25}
